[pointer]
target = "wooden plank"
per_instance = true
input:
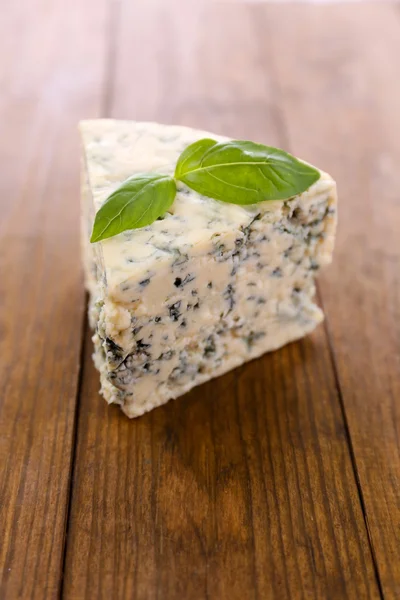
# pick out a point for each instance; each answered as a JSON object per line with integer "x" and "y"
{"x": 47, "y": 83}
{"x": 351, "y": 114}
{"x": 244, "y": 488}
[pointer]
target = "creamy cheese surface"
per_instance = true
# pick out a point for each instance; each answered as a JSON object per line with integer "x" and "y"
{"x": 116, "y": 150}
{"x": 206, "y": 288}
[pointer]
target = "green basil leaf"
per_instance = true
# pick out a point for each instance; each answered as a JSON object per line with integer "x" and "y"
{"x": 138, "y": 202}
{"x": 192, "y": 156}
{"x": 243, "y": 172}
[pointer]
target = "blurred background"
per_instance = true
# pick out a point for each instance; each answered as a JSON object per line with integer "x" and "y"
{"x": 319, "y": 79}
{"x": 313, "y": 78}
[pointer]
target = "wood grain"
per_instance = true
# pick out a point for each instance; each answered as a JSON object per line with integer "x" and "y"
{"x": 45, "y": 88}
{"x": 351, "y": 112}
{"x": 244, "y": 488}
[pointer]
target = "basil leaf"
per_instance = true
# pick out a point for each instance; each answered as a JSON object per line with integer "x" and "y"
{"x": 192, "y": 156}
{"x": 138, "y": 202}
{"x": 243, "y": 172}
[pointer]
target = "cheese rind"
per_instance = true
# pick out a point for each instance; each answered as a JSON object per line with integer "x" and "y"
{"x": 206, "y": 288}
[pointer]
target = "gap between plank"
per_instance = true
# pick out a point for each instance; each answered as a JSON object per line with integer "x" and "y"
{"x": 349, "y": 442}
{"x": 74, "y": 444}
{"x": 284, "y": 132}
{"x": 107, "y": 98}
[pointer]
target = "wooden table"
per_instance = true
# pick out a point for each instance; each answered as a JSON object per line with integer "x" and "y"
{"x": 280, "y": 480}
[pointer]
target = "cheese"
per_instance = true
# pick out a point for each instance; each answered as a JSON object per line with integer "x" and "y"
{"x": 203, "y": 290}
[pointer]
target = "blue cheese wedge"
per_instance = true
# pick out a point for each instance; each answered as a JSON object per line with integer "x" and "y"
{"x": 206, "y": 288}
